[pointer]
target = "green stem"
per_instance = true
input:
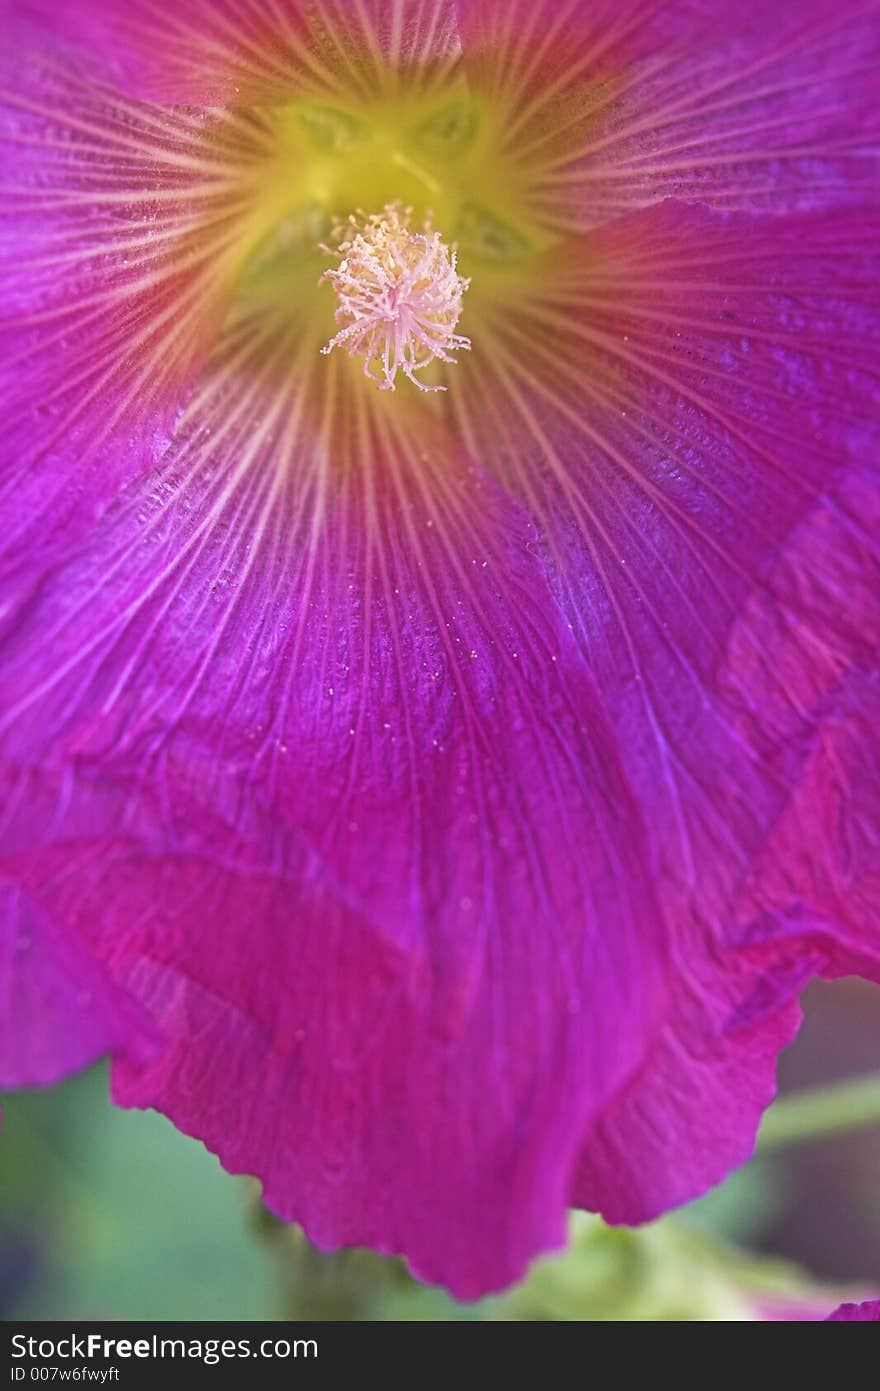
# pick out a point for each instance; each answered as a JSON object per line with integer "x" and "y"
{"x": 819, "y": 1112}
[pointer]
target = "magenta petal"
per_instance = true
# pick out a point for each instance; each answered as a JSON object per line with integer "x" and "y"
{"x": 61, "y": 1007}
{"x": 219, "y": 52}
{"x": 614, "y": 106}
{"x": 688, "y": 408}
{"x": 821, "y": 864}
{"x": 114, "y": 266}
{"x": 813, "y": 902}
{"x": 381, "y": 883}
{"x": 869, "y": 1312}
{"x": 196, "y": 52}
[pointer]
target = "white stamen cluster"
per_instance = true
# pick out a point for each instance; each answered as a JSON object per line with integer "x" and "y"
{"x": 399, "y": 296}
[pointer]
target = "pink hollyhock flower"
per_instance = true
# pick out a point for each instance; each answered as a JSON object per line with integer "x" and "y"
{"x": 436, "y": 800}
{"x": 856, "y": 1313}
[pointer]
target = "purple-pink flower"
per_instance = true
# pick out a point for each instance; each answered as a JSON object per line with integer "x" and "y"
{"x": 436, "y": 801}
{"x": 869, "y": 1312}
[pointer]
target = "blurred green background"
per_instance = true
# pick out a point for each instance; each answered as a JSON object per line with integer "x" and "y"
{"x": 107, "y": 1213}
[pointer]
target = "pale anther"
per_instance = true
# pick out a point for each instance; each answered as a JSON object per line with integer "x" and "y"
{"x": 399, "y": 296}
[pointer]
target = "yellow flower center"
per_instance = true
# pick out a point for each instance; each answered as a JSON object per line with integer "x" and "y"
{"x": 416, "y": 158}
